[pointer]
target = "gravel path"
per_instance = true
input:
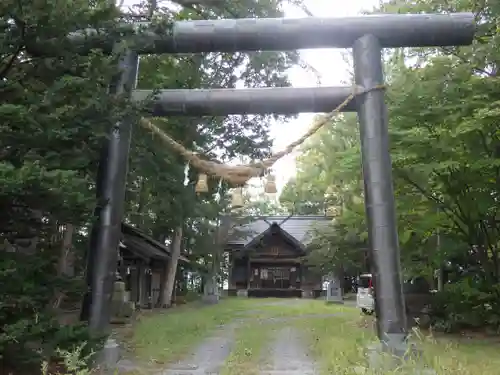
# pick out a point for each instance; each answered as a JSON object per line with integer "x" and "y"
{"x": 289, "y": 355}
{"x": 208, "y": 357}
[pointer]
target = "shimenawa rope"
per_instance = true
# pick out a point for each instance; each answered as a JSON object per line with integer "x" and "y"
{"x": 239, "y": 174}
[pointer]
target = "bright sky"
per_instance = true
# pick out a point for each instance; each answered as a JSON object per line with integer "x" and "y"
{"x": 330, "y": 65}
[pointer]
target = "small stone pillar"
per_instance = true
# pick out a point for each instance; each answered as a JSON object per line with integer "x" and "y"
{"x": 107, "y": 358}
{"x": 334, "y": 291}
{"x": 121, "y": 307}
{"x": 211, "y": 290}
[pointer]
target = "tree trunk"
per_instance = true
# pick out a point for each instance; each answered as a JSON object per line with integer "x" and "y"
{"x": 65, "y": 265}
{"x": 141, "y": 204}
{"x": 163, "y": 277}
{"x": 172, "y": 267}
{"x": 440, "y": 279}
{"x": 163, "y": 281}
{"x": 341, "y": 278}
{"x": 66, "y": 261}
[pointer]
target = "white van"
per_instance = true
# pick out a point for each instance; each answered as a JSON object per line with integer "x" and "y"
{"x": 417, "y": 295}
{"x": 364, "y": 297}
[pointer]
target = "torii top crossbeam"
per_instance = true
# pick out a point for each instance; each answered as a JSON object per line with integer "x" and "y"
{"x": 279, "y": 34}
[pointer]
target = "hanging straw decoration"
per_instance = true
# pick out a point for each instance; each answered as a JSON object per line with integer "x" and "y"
{"x": 239, "y": 175}
{"x": 237, "y": 198}
{"x": 270, "y": 187}
{"x": 201, "y": 185}
{"x": 332, "y": 211}
{"x": 357, "y": 199}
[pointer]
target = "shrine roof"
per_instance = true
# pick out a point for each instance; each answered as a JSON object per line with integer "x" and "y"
{"x": 143, "y": 245}
{"x": 301, "y": 228}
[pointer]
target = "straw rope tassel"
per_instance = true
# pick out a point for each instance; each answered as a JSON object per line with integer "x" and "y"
{"x": 270, "y": 187}
{"x": 237, "y": 198}
{"x": 239, "y": 174}
{"x": 201, "y": 184}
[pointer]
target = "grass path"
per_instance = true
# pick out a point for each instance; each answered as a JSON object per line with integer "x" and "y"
{"x": 288, "y": 355}
{"x": 207, "y": 358}
{"x": 257, "y": 336}
{"x": 248, "y": 353}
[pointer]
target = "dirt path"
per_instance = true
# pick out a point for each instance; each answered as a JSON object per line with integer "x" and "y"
{"x": 289, "y": 355}
{"x": 286, "y": 356}
{"x": 207, "y": 358}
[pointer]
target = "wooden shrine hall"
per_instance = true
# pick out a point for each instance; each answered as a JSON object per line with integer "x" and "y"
{"x": 143, "y": 265}
{"x": 266, "y": 257}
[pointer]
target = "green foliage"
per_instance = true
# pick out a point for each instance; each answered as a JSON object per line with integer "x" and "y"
{"x": 466, "y": 305}
{"x": 30, "y": 331}
{"x": 75, "y": 361}
{"x": 261, "y": 204}
{"x": 329, "y": 180}
{"x": 445, "y": 145}
{"x": 55, "y": 115}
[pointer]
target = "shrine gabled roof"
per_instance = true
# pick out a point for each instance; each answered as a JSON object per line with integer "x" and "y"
{"x": 143, "y": 245}
{"x": 301, "y": 228}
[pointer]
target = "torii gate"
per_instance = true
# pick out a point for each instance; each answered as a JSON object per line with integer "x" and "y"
{"x": 366, "y": 35}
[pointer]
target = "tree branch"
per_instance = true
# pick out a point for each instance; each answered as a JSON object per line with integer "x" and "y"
{"x": 447, "y": 210}
{"x": 465, "y": 61}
